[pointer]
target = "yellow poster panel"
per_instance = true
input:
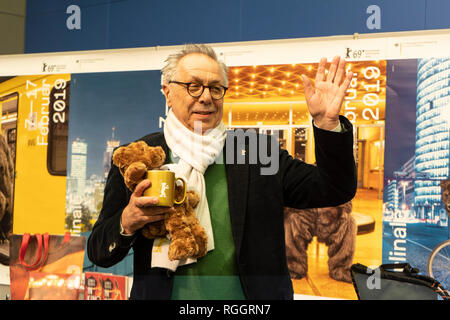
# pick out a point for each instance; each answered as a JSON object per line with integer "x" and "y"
{"x": 40, "y": 181}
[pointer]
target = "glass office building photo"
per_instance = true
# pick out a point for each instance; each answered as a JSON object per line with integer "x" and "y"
{"x": 432, "y": 137}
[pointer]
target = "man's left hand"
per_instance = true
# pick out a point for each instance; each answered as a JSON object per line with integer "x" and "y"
{"x": 324, "y": 98}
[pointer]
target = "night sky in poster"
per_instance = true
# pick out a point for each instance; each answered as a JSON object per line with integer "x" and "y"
{"x": 400, "y": 114}
{"x": 129, "y": 101}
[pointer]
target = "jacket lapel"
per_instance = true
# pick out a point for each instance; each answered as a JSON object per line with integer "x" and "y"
{"x": 237, "y": 183}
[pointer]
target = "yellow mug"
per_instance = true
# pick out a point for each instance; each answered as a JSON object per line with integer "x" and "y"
{"x": 163, "y": 187}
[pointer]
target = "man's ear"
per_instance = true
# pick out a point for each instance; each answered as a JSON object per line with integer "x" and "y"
{"x": 166, "y": 90}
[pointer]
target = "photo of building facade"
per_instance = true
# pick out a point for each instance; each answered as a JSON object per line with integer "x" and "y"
{"x": 432, "y": 137}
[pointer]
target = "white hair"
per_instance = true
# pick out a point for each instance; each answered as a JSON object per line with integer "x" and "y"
{"x": 169, "y": 70}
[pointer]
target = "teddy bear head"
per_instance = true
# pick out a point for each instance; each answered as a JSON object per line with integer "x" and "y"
{"x": 135, "y": 159}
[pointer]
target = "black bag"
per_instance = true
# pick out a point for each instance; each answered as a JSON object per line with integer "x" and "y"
{"x": 384, "y": 283}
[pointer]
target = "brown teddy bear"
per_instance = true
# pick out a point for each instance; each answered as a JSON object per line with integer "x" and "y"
{"x": 335, "y": 226}
{"x": 188, "y": 238}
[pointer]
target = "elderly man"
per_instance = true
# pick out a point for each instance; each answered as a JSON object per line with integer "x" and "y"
{"x": 240, "y": 207}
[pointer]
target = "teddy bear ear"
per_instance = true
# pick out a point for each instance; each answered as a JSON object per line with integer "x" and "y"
{"x": 115, "y": 156}
{"x": 119, "y": 157}
{"x": 157, "y": 156}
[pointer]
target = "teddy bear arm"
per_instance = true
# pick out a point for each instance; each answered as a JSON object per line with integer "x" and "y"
{"x": 134, "y": 174}
{"x": 196, "y": 228}
{"x": 182, "y": 244}
{"x": 193, "y": 198}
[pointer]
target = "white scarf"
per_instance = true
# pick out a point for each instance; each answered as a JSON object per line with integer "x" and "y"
{"x": 195, "y": 152}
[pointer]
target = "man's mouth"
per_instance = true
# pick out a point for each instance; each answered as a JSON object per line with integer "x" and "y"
{"x": 205, "y": 113}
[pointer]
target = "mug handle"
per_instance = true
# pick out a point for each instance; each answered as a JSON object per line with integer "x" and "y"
{"x": 184, "y": 193}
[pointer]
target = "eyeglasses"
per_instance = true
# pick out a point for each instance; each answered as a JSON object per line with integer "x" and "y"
{"x": 196, "y": 89}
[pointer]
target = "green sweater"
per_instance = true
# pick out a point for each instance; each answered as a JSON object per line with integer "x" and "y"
{"x": 215, "y": 276}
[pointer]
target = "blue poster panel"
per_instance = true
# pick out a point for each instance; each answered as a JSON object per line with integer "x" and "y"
{"x": 416, "y": 180}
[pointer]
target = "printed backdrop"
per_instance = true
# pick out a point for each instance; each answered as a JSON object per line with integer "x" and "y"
{"x": 399, "y": 108}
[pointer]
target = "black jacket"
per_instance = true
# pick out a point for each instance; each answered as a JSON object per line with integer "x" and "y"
{"x": 256, "y": 205}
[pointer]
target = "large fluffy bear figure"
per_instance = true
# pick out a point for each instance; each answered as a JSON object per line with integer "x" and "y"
{"x": 333, "y": 226}
{"x": 188, "y": 238}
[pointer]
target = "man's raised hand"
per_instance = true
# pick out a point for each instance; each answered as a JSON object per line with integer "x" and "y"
{"x": 324, "y": 97}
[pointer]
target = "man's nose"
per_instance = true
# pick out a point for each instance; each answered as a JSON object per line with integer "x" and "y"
{"x": 206, "y": 96}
